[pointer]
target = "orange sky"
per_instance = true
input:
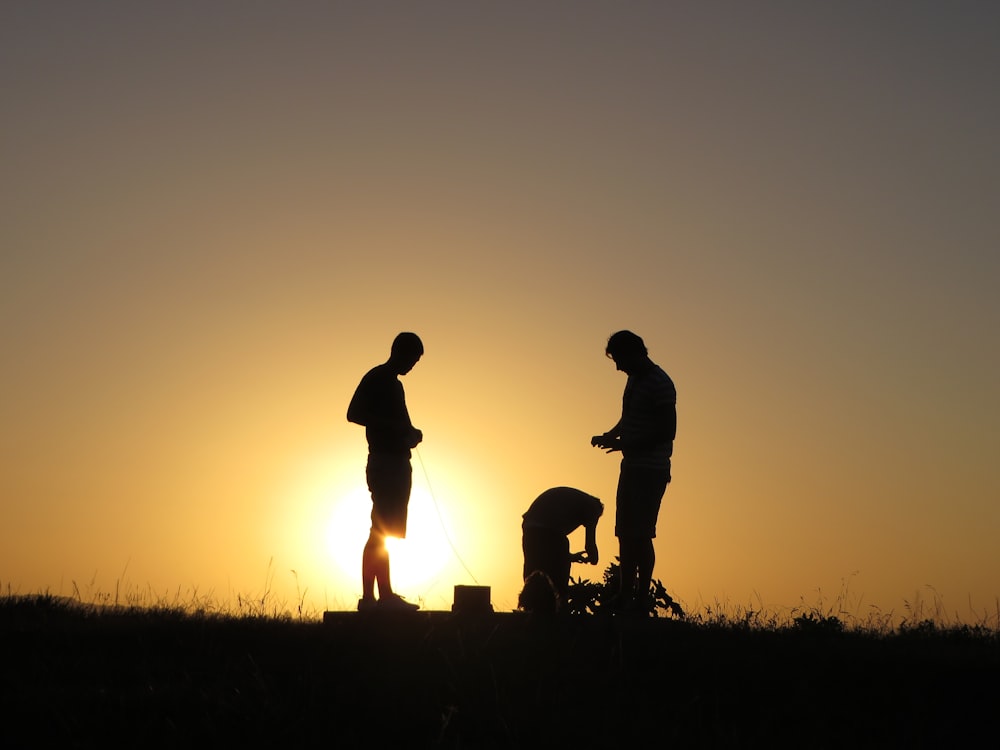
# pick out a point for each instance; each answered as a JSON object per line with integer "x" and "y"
{"x": 214, "y": 221}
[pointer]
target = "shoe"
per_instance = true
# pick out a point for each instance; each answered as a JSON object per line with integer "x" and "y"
{"x": 396, "y": 603}
{"x": 367, "y": 605}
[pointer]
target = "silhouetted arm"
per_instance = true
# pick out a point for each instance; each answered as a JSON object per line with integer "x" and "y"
{"x": 356, "y": 412}
{"x": 610, "y": 440}
{"x": 590, "y": 545}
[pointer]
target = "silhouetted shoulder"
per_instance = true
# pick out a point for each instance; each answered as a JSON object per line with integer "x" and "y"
{"x": 378, "y": 387}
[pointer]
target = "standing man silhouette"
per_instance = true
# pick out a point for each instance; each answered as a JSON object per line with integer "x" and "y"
{"x": 645, "y": 436}
{"x": 379, "y": 404}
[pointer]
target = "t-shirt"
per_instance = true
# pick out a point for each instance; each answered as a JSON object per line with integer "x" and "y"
{"x": 380, "y": 405}
{"x": 649, "y": 418}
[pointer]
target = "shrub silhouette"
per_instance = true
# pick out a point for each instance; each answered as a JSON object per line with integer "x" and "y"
{"x": 601, "y": 598}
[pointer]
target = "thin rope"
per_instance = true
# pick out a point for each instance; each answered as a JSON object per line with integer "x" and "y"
{"x": 430, "y": 491}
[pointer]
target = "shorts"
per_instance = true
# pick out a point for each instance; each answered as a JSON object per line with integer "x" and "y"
{"x": 390, "y": 479}
{"x": 640, "y": 491}
{"x": 548, "y": 551}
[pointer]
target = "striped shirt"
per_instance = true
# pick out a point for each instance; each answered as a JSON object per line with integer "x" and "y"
{"x": 649, "y": 418}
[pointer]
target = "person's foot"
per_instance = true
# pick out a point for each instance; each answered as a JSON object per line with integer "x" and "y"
{"x": 367, "y": 605}
{"x": 396, "y": 603}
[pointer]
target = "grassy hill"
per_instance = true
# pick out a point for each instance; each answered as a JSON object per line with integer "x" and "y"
{"x": 86, "y": 676}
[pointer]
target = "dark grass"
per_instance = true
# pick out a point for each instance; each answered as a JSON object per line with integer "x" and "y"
{"x": 84, "y": 676}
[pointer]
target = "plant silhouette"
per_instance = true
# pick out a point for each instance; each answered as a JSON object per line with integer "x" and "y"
{"x": 602, "y": 597}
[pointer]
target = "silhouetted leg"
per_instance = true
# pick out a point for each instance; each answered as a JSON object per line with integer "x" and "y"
{"x": 375, "y": 566}
{"x": 628, "y": 561}
{"x": 644, "y": 565}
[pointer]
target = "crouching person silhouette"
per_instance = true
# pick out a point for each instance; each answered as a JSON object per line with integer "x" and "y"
{"x": 545, "y": 531}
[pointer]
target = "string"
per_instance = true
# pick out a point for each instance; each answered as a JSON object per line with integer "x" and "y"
{"x": 430, "y": 491}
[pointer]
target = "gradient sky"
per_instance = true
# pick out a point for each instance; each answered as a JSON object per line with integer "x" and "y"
{"x": 214, "y": 217}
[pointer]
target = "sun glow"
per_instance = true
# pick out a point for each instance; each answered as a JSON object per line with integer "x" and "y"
{"x": 417, "y": 562}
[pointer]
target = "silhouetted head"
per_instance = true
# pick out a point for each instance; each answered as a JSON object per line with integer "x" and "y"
{"x": 627, "y": 350}
{"x": 539, "y": 595}
{"x": 407, "y": 349}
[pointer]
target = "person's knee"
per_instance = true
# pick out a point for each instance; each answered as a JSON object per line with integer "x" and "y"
{"x": 630, "y": 546}
{"x": 376, "y": 541}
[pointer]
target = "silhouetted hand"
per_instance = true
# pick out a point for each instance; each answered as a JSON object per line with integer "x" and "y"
{"x": 584, "y": 557}
{"x": 609, "y": 444}
{"x": 416, "y": 436}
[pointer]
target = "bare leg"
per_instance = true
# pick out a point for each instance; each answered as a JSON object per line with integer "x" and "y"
{"x": 644, "y": 565}
{"x": 628, "y": 567}
{"x": 637, "y": 558}
{"x": 375, "y": 567}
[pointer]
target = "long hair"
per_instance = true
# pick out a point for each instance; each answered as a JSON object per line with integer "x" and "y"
{"x": 539, "y": 595}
